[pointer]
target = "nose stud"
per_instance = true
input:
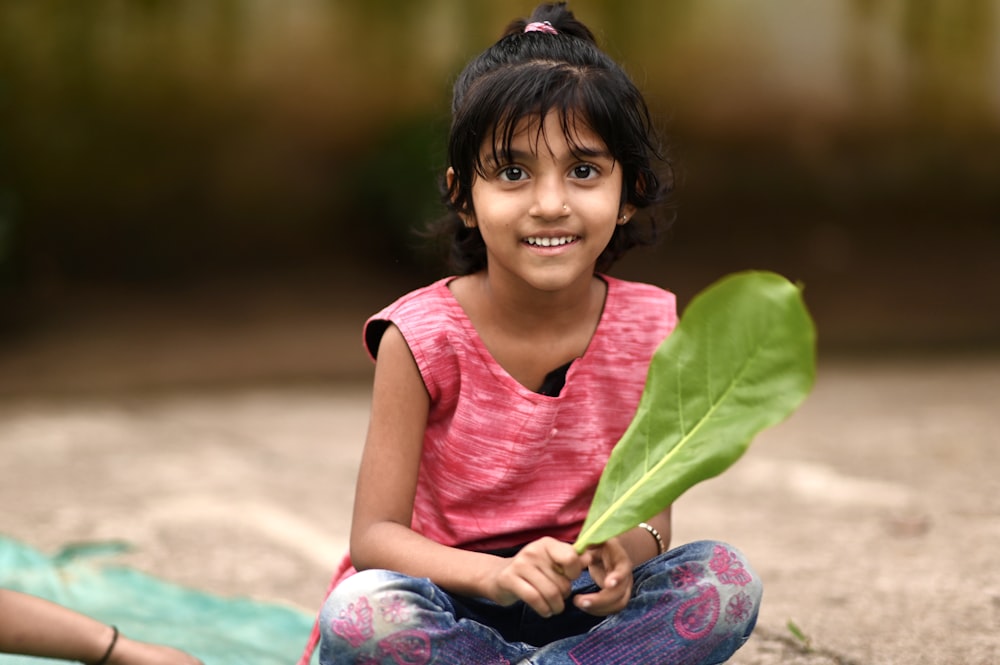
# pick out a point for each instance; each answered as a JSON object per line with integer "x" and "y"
{"x": 565, "y": 207}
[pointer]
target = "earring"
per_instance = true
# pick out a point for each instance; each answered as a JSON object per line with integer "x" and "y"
{"x": 622, "y": 220}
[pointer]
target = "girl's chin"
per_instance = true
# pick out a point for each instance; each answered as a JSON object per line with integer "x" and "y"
{"x": 557, "y": 280}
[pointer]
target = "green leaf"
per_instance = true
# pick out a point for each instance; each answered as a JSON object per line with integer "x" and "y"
{"x": 742, "y": 358}
{"x": 798, "y": 633}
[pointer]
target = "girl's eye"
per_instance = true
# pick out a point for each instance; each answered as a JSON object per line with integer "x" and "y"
{"x": 584, "y": 171}
{"x": 511, "y": 173}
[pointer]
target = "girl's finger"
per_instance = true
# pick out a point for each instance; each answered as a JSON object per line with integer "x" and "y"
{"x": 603, "y": 602}
{"x": 541, "y": 595}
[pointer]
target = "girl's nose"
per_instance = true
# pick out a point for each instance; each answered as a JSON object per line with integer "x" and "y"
{"x": 550, "y": 200}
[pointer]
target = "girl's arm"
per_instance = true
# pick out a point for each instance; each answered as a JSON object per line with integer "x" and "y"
{"x": 381, "y": 536}
{"x": 383, "y": 506}
{"x": 641, "y": 545}
{"x": 32, "y": 626}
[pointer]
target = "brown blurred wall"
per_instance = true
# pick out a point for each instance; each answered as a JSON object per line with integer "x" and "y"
{"x": 850, "y": 145}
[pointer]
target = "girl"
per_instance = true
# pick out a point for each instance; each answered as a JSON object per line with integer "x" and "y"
{"x": 499, "y": 393}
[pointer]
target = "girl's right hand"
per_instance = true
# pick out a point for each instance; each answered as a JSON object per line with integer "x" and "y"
{"x": 541, "y": 575}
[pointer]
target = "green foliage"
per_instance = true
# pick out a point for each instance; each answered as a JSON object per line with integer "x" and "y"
{"x": 799, "y": 635}
{"x": 741, "y": 359}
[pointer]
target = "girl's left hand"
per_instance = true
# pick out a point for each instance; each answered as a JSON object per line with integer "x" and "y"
{"x": 611, "y": 568}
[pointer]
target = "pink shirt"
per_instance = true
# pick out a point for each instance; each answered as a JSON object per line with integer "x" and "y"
{"x": 503, "y": 465}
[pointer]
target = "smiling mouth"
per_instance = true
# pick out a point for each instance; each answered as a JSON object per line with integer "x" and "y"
{"x": 551, "y": 242}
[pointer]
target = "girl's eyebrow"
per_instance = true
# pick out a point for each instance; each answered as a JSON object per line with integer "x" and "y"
{"x": 590, "y": 151}
{"x": 492, "y": 158}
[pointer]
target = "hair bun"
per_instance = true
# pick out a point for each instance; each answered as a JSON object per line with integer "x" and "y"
{"x": 558, "y": 16}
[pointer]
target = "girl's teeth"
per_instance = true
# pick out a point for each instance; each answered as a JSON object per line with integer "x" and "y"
{"x": 549, "y": 242}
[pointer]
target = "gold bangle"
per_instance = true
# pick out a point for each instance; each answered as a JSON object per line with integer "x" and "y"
{"x": 655, "y": 534}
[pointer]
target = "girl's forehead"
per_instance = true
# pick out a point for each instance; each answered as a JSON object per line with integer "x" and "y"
{"x": 532, "y": 132}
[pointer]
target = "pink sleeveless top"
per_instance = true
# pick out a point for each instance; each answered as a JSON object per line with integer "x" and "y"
{"x": 501, "y": 464}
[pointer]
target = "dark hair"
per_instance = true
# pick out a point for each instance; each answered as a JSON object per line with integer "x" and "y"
{"x": 533, "y": 73}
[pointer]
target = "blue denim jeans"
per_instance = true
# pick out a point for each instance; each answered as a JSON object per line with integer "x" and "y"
{"x": 696, "y": 604}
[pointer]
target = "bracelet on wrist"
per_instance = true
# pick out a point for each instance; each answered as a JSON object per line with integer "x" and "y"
{"x": 660, "y": 546}
{"x": 111, "y": 647}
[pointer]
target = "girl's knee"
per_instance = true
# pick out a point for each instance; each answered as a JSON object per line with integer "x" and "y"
{"x": 714, "y": 572}
{"x": 706, "y": 559}
{"x": 353, "y": 587}
{"x": 736, "y": 585}
{"x": 376, "y": 611}
{"x": 361, "y": 592}
{"x": 360, "y": 605}
{"x": 731, "y": 567}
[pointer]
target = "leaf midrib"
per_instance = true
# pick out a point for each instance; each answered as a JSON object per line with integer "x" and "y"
{"x": 610, "y": 510}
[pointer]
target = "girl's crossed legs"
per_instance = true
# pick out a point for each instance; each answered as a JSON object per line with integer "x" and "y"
{"x": 696, "y": 604}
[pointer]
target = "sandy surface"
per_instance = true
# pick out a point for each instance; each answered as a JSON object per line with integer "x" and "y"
{"x": 873, "y": 514}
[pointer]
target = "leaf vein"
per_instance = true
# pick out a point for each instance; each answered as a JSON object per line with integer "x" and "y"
{"x": 684, "y": 440}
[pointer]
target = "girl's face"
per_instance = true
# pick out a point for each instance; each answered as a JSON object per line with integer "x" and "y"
{"x": 547, "y": 215}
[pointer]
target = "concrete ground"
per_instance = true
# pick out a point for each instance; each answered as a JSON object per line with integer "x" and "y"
{"x": 873, "y": 514}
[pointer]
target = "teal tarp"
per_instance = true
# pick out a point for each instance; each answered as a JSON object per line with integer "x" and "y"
{"x": 218, "y": 630}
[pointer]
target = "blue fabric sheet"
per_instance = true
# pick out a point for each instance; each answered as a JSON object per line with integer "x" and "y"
{"x": 218, "y": 630}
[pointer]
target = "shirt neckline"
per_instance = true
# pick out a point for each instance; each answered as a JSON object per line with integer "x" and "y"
{"x": 499, "y": 371}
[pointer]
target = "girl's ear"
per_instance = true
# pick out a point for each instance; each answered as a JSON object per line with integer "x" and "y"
{"x": 628, "y": 212}
{"x": 469, "y": 219}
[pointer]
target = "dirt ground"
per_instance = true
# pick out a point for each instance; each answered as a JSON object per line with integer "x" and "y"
{"x": 873, "y": 514}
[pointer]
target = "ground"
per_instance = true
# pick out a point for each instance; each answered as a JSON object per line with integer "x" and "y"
{"x": 873, "y": 514}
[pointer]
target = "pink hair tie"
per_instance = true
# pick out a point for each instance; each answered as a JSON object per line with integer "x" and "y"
{"x": 541, "y": 26}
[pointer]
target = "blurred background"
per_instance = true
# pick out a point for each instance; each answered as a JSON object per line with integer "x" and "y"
{"x": 207, "y": 191}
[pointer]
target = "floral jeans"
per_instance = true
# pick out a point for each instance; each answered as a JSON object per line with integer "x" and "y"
{"x": 696, "y": 604}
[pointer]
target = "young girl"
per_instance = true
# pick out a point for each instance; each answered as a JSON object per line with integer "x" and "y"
{"x": 500, "y": 392}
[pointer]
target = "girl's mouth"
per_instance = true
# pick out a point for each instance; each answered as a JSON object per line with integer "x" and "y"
{"x": 536, "y": 241}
